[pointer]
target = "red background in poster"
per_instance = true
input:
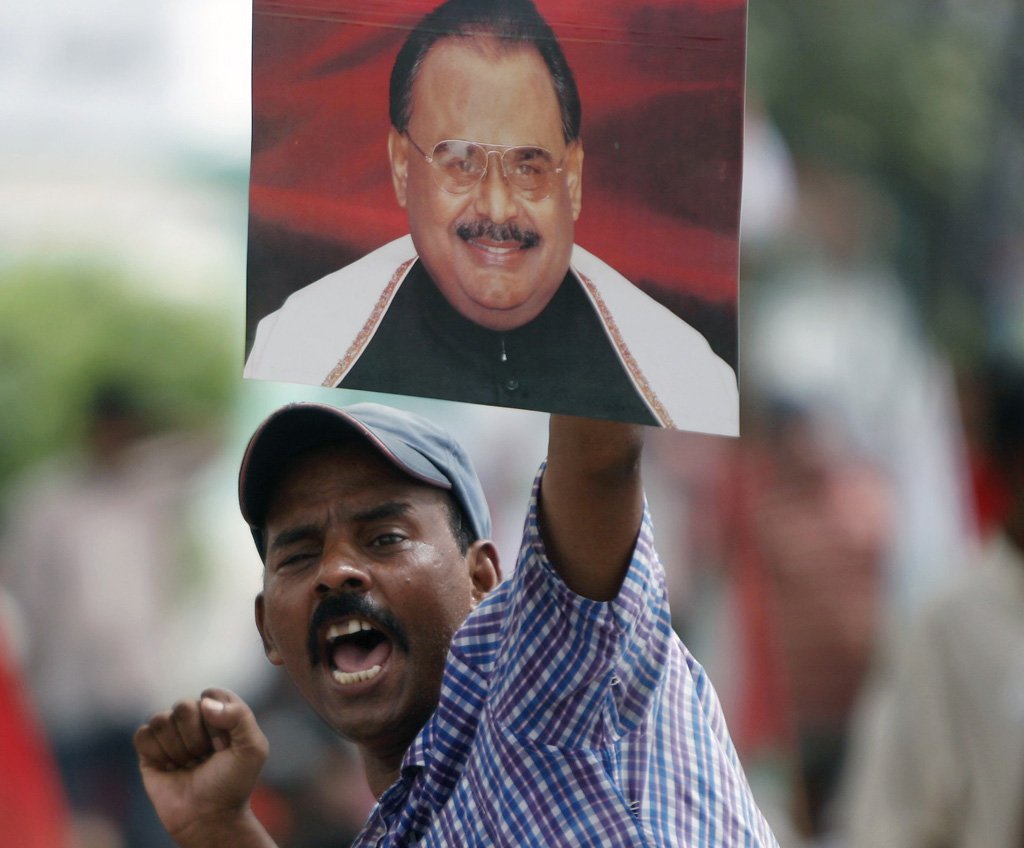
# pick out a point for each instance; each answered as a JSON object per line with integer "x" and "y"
{"x": 662, "y": 89}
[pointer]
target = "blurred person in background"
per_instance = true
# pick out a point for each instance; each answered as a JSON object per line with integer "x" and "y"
{"x": 91, "y": 554}
{"x": 939, "y": 757}
{"x": 831, "y": 330}
{"x": 844, "y": 507}
{"x": 810, "y": 523}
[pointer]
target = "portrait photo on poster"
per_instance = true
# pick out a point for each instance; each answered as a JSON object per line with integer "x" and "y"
{"x": 520, "y": 203}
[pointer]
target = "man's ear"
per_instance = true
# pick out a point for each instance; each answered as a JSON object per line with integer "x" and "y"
{"x": 574, "y": 176}
{"x": 269, "y": 648}
{"x": 398, "y": 156}
{"x": 484, "y": 568}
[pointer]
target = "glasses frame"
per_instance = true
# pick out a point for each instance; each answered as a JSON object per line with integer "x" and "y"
{"x": 498, "y": 149}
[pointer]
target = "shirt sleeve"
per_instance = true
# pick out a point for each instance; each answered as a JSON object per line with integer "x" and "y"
{"x": 574, "y": 672}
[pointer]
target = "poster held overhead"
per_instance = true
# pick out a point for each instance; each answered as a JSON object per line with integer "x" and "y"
{"x": 418, "y": 219}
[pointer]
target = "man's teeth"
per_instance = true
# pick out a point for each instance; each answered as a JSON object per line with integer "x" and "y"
{"x": 347, "y": 628}
{"x": 345, "y": 677}
{"x": 498, "y": 248}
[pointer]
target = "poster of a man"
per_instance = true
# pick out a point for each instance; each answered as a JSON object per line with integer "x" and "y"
{"x": 486, "y": 295}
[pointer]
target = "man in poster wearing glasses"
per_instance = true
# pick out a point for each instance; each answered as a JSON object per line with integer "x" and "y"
{"x": 488, "y": 300}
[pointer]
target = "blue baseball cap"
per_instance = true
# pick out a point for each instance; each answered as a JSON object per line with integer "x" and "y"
{"x": 410, "y": 442}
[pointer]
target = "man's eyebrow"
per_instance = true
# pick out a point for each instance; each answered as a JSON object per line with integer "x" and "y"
{"x": 292, "y": 535}
{"x": 391, "y": 509}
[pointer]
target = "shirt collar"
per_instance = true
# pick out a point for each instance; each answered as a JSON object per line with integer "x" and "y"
{"x": 418, "y": 753}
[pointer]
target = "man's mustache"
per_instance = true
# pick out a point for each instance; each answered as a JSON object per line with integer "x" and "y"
{"x": 485, "y": 228}
{"x": 359, "y": 606}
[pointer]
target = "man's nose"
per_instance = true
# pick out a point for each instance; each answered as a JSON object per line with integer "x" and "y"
{"x": 495, "y": 198}
{"x": 340, "y": 571}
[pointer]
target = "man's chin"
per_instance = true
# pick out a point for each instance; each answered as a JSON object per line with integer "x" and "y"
{"x": 501, "y": 320}
{"x": 503, "y": 303}
{"x": 358, "y": 716}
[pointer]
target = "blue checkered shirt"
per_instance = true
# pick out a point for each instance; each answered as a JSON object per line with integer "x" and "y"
{"x": 564, "y": 721}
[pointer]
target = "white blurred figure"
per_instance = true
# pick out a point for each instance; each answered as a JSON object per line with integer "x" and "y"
{"x": 769, "y": 196}
{"x": 940, "y": 755}
{"x": 835, "y": 335}
{"x": 829, "y": 332}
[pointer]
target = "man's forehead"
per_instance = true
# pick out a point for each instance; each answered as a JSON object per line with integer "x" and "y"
{"x": 482, "y": 49}
{"x": 480, "y": 86}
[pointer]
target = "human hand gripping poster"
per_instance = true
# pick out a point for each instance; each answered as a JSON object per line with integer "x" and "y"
{"x": 496, "y": 202}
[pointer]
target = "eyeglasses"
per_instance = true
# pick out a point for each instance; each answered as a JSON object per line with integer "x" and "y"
{"x": 459, "y": 166}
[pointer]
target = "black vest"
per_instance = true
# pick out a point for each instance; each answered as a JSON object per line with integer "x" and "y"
{"x": 561, "y": 361}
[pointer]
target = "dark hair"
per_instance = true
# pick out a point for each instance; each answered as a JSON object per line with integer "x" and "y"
{"x": 459, "y": 524}
{"x": 512, "y": 23}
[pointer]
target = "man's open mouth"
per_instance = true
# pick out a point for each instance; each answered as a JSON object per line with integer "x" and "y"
{"x": 355, "y": 650}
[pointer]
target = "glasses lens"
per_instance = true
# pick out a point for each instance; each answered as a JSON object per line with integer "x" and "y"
{"x": 458, "y": 165}
{"x": 529, "y": 169}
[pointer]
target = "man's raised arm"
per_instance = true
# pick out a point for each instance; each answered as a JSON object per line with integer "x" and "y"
{"x": 591, "y": 502}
